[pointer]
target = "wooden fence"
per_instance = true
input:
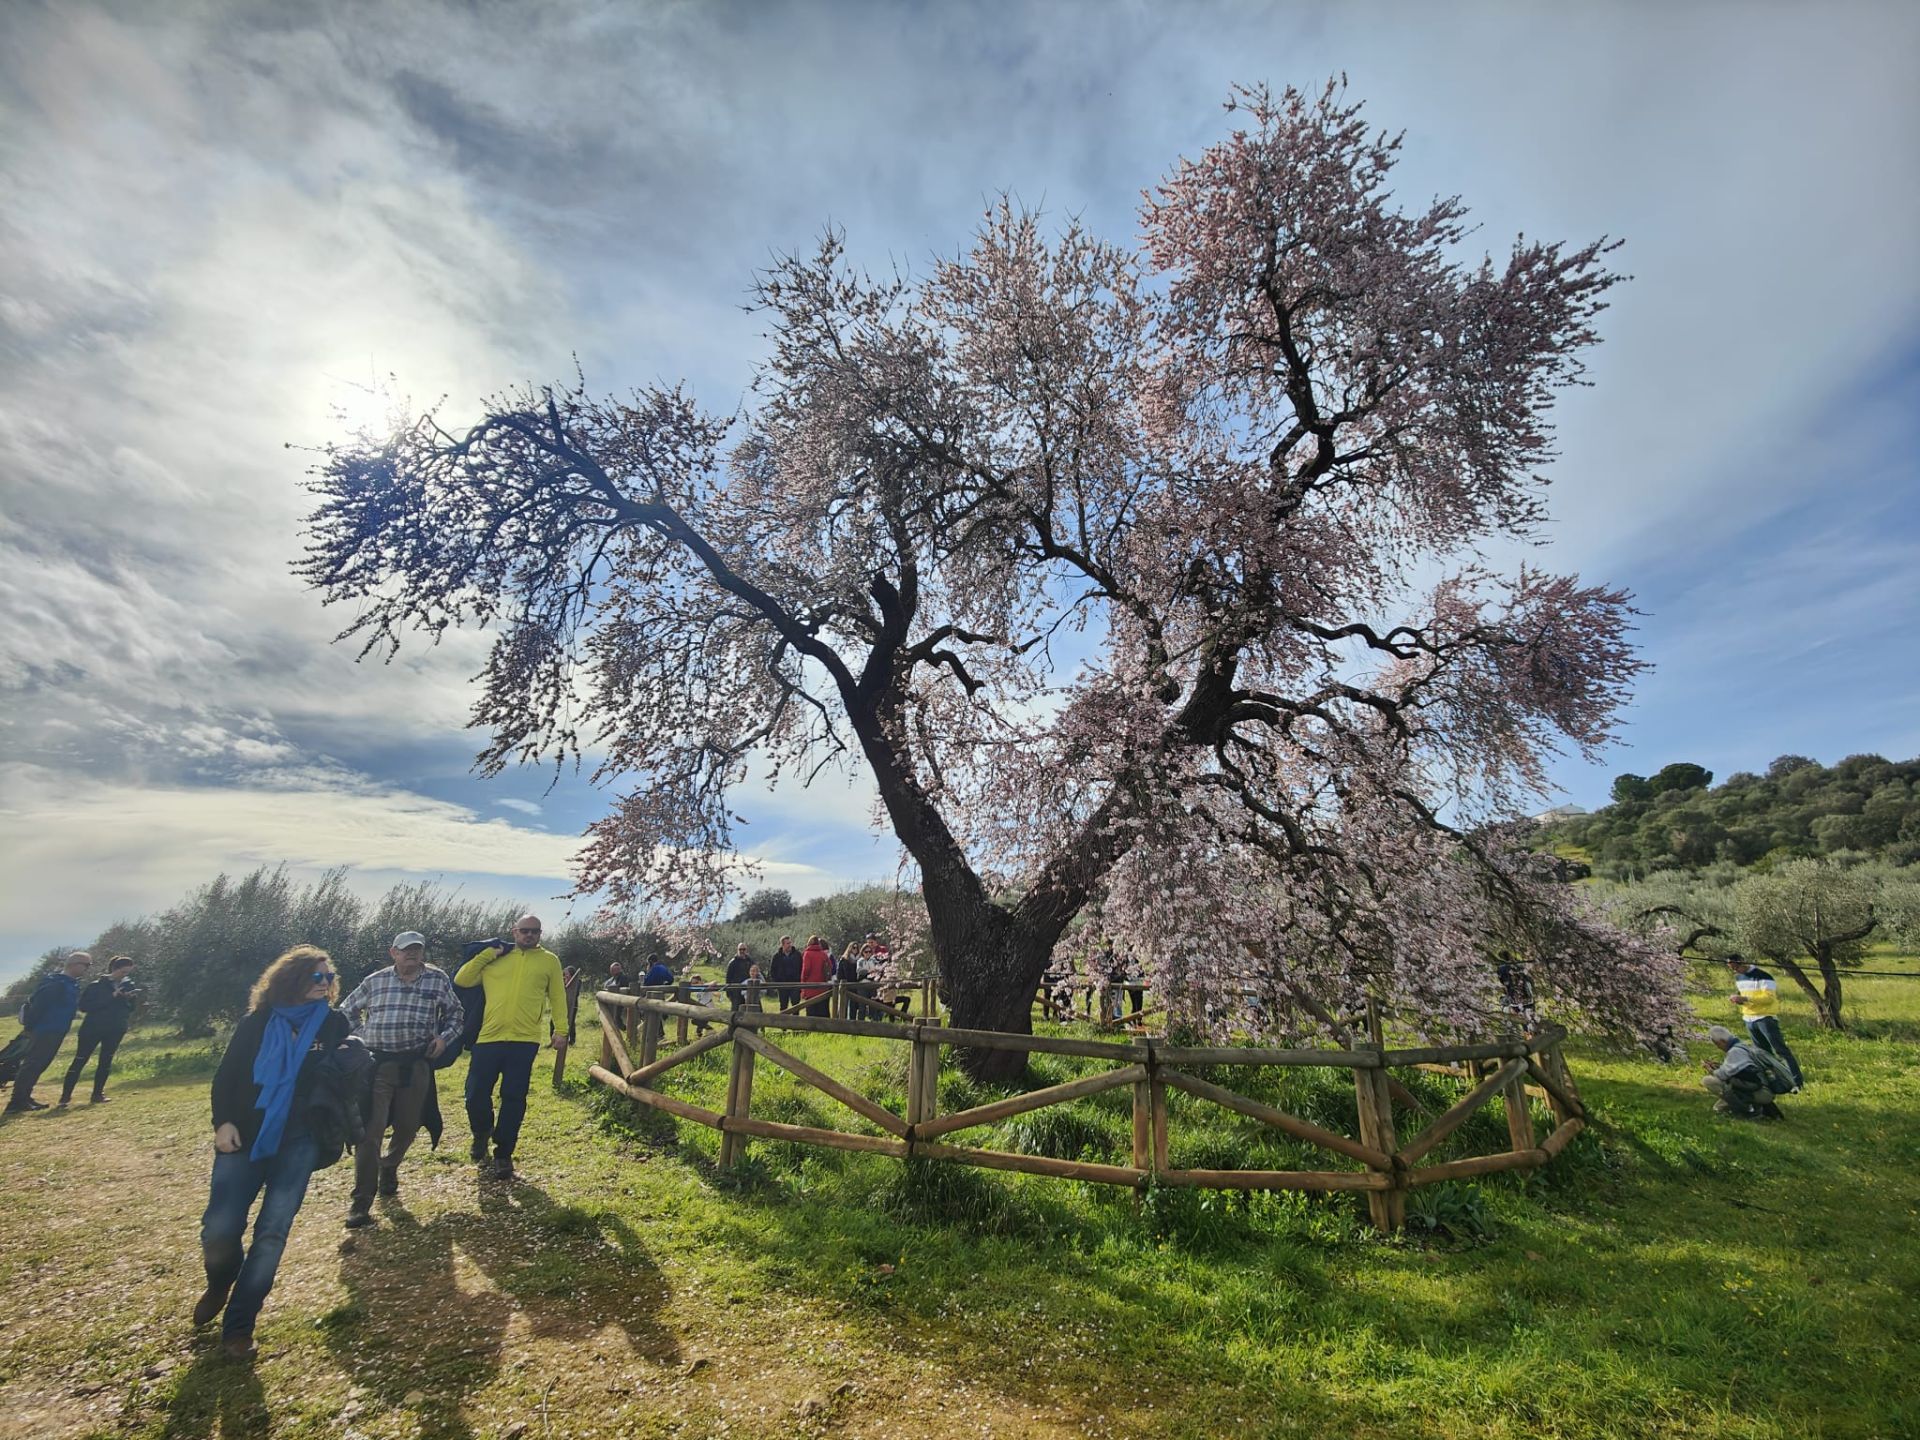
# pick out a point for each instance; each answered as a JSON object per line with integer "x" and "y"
{"x": 632, "y": 1029}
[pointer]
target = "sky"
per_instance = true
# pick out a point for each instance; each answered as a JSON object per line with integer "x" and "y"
{"x": 224, "y": 226}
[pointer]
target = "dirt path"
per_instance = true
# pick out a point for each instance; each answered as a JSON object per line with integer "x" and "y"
{"x": 474, "y": 1311}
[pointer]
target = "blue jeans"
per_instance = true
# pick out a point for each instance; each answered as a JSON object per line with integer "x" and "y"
{"x": 1765, "y": 1032}
{"x": 509, "y": 1063}
{"x": 236, "y": 1182}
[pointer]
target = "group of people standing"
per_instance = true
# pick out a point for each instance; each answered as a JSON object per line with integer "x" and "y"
{"x": 1114, "y": 985}
{"x": 107, "y": 1004}
{"x": 400, "y": 1025}
{"x": 804, "y": 977}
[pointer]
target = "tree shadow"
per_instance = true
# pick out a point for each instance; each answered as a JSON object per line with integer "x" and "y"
{"x": 218, "y": 1396}
{"x": 414, "y": 1322}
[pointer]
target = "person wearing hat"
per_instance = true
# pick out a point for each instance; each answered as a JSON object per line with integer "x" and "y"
{"x": 407, "y": 1015}
{"x": 1739, "y": 1082}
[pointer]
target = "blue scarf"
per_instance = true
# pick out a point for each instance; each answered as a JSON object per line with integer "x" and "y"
{"x": 276, "y": 1066}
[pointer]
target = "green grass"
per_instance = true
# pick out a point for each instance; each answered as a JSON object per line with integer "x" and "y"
{"x": 1674, "y": 1273}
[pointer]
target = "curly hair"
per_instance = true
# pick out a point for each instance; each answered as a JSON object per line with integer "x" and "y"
{"x": 287, "y": 980}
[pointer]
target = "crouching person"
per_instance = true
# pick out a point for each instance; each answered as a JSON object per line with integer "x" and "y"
{"x": 1746, "y": 1079}
{"x": 262, "y": 1135}
{"x": 408, "y": 1016}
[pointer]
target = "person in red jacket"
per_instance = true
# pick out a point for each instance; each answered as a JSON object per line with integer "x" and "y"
{"x": 816, "y": 969}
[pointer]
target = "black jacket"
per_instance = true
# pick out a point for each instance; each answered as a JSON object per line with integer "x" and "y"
{"x": 236, "y": 1099}
{"x": 739, "y": 968}
{"x": 108, "y": 1004}
{"x": 333, "y": 1107}
{"x": 785, "y": 967}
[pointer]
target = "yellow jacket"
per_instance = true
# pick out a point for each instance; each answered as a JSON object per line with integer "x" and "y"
{"x": 520, "y": 984}
{"x": 1758, "y": 995}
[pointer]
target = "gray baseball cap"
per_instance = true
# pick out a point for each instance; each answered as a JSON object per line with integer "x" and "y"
{"x": 408, "y": 937}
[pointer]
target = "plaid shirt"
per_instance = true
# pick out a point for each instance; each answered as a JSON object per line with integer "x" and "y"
{"x": 389, "y": 1014}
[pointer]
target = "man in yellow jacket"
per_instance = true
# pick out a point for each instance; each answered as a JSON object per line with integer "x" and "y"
{"x": 521, "y": 979}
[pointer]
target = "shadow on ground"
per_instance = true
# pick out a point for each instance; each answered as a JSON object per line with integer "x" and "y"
{"x": 430, "y": 1307}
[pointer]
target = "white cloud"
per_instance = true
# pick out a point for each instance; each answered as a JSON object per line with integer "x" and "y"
{"x": 218, "y": 222}
{"x": 102, "y": 850}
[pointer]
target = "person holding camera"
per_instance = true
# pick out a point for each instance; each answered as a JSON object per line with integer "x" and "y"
{"x": 521, "y": 981}
{"x": 108, "y": 1003}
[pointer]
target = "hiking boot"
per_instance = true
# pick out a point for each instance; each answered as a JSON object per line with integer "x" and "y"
{"x": 238, "y": 1347}
{"x": 1772, "y": 1111}
{"x": 477, "y": 1152}
{"x": 21, "y": 1107}
{"x": 389, "y": 1181}
{"x": 99, "y": 1100}
{"x": 63, "y": 1102}
{"x": 502, "y": 1167}
{"x": 210, "y": 1304}
{"x": 358, "y": 1217}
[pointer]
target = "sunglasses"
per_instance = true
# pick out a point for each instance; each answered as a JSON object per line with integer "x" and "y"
{"x": 324, "y": 977}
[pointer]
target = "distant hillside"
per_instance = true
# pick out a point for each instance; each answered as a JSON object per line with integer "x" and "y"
{"x": 1865, "y": 806}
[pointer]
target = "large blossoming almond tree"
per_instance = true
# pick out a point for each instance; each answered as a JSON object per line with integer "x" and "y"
{"x": 1147, "y": 579}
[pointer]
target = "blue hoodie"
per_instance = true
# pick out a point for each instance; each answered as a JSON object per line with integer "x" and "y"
{"x": 54, "y": 1005}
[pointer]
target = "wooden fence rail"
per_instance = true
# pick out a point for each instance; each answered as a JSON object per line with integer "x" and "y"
{"x": 631, "y": 1028}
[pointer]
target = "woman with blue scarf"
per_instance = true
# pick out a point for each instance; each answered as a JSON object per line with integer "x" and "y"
{"x": 261, "y": 1138}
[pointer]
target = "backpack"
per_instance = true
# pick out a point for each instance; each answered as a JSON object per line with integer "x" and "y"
{"x": 15, "y": 1052}
{"x": 1773, "y": 1071}
{"x": 473, "y": 1004}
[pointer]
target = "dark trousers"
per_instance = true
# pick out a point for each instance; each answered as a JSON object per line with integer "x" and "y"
{"x": 108, "y": 1041}
{"x": 39, "y": 1055}
{"x": 1765, "y": 1032}
{"x": 399, "y": 1097}
{"x": 509, "y": 1064}
{"x": 248, "y": 1271}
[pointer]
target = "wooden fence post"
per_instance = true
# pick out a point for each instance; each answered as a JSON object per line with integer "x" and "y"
{"x": 1519, "y": 1117}
{"x": 1367, "y": 1110}
{"x": 1143, "y": 1094}
{"x": 560, "y": 1063}
{"x": 685, "y": 997}
{"x": 607, "y": 1021}
{"x": 649, "y": 1037}
{"x": 923, "y": 1074}
{"x": 733, "y": 1144}
{"x": 1157, "y": 1095}
{"x": 1373, "y": 1106}
{"x": 1554, "y": 1065}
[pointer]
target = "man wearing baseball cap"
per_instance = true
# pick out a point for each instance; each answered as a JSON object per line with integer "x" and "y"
{"x": 407, "y": 1014}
